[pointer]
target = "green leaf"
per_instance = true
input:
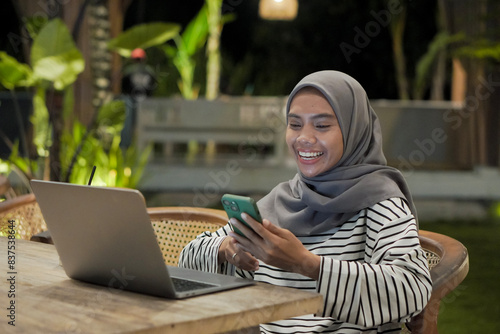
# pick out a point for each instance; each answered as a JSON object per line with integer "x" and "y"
{"x": 481, "y": 49}
{"x": 14, "y": 74}
{"x": 40, "y": 121}
{"x": 54, "y": 55}
{"x": 112, "y": 114}
{"x": 144, "y": 36}
{"x": 140, "y": 164}
{"x": 425, "y": 63}
{"x": 22, "y": 163}
{"x": 196, "y": 32}
{"x": 228, "y": 18}
{"x": 170, "y": 51}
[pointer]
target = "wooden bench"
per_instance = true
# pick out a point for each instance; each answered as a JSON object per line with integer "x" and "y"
{"x": 244, "y": 149}
{"x": 246, "y": 129}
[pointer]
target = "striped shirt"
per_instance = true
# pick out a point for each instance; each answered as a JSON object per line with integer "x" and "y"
{"x": 373, "y": 277}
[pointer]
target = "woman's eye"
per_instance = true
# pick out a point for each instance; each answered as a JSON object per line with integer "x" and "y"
{"x": 294, "y": 125}
{"x": 323, "y": 126}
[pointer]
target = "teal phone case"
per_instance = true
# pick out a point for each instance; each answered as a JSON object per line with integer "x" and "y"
{"x": 234, "y": 205}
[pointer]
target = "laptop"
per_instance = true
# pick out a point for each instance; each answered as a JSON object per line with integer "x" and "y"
{"x": 104, "y": 236}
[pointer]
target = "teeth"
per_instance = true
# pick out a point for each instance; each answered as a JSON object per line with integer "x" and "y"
{"x": 310, "y": 155}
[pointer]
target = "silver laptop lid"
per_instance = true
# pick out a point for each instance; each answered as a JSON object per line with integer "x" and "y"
{"x": 104, "y": 236}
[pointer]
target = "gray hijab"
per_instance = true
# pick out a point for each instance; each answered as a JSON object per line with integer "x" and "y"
{"x": 312, "y": 205}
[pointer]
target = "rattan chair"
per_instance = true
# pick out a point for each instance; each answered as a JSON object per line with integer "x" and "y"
{"x": 175, "y": 227}
{"x": 449, "y": 264}
{"x": 28, "y": 221}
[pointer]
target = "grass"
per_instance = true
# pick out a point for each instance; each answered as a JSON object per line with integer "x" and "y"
{"x": 474, "y": 307}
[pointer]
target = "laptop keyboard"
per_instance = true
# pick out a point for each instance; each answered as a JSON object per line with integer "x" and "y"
{"x": 187, "y": 285}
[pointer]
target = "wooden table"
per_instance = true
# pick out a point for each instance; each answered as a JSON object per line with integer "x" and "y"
{"x": 47, "y": 301}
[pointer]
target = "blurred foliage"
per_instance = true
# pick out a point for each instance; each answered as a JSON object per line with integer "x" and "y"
{"x": 116, "y": 166}
{"x": 481, "y": 49}
{"x": 143, "y": 36}
{"x": 192, "y": 39}
{"x": 184, "y": 51}
{"x": 13, "y": 74}
{"x": 54, "y": 56}
{"x": 495, "y": 211}
{"x": 156, "y": 34}
{"x": 56, "y": 64}
{"x": 425, "y": 64}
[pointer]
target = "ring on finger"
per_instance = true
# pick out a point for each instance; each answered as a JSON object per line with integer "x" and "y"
{"x": 234, "y": 255}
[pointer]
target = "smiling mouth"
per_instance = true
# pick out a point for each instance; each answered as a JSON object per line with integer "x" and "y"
{"x": 310, "y": 155}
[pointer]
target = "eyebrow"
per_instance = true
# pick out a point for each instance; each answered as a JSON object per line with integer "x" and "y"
{"x": 325, "y": 115}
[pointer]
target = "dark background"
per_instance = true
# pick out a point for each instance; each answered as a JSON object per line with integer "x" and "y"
{"x": 261, "y": 57}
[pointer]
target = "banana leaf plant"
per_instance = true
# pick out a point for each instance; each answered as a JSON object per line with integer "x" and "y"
{"x": 56, "y": 64}
{"x": 185, "y": 46}
{"x": 192, "y": 39}
{"x": 157, "y": 34}
{"x": 143, "y": 36}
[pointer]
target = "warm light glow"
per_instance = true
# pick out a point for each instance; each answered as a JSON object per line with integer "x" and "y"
{"x": 278, "y": 9}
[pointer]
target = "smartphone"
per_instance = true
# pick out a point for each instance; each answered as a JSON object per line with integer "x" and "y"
{"x": 234, "y": 205}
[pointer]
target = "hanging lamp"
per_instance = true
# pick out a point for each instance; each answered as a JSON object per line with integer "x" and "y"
{"x": 278, "y": 9}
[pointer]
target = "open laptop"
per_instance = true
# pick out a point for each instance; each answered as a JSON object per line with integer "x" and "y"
{"x": 104, "y": 236}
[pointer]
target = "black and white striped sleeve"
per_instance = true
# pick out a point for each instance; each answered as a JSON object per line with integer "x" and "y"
{"x": 391, "y": 283}
{"x": 202, "y": 253}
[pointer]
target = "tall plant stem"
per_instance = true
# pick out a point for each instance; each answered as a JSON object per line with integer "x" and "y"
{"x": 213, "y": 48}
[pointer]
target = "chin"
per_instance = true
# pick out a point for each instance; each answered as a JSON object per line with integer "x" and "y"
{"x": 309, "y": 173}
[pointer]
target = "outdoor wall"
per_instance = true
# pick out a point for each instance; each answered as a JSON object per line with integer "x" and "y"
{"x": 418, "y": 135}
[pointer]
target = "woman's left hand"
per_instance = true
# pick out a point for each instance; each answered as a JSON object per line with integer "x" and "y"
{"x": 276, "y": 246}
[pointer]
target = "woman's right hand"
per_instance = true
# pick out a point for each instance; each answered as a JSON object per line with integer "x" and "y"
{"x": 232, "y": 254}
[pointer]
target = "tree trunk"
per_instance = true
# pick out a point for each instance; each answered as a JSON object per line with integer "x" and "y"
{"x": 100, "y": 56}
{"x": 117, "y": 10}
{"x": 482, "y": 94}
{"x": 84, "y": 92}
{"x": 439, "y": 74}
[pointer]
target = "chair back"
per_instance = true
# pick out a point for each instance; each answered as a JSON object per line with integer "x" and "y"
{"x": 175, "y": 227}
{"x": 449, "y": 264}
{"x": 25, "y": 213}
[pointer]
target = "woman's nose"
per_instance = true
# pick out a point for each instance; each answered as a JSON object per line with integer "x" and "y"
{"x": 306, "y": 136}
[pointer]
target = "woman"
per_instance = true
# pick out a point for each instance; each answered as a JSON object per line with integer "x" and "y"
{"x": 345, "y": 226}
